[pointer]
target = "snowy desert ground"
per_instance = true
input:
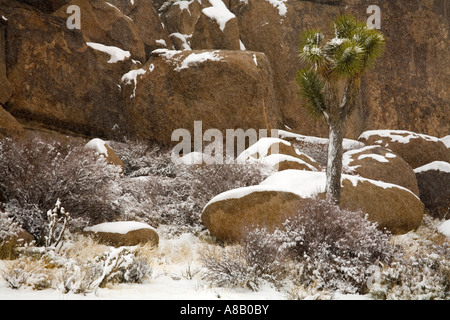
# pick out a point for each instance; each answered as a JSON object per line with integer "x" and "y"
{"x": 176, "y": 275}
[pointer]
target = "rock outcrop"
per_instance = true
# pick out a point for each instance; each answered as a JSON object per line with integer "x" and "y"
{"x": 378, "y": 163}
{"x": 223, "y": 89}
{"x": 416, "y": 149}
{"x": 52, "y": 78}
{"x": 229, "y": 215}
{"x": 434, "y": 181}
{"x": 123, "y": 233}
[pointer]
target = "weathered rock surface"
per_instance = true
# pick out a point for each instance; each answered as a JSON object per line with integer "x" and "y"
{"x": 223, "y": 89}
{"x": 123, "y": 233}
{"x": 434, "y": 181}
{"x": 151, "y": 30}
{"x": 231, "y": 219}
{"x": 55, "y": 80}
{"x": 378, "y": 163}
{"x": 278, "y": 153}
{"x": 9, "y": 126}
{"x": 404, "y": 93}
{"x": 55, "y": 76}
{"x": 416, "y": 149}
{"x": 229, "y": 215}
{"x": 103, "y": 23}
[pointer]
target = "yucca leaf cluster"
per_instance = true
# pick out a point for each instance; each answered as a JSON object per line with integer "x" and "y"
{"x": 342, "y": 59}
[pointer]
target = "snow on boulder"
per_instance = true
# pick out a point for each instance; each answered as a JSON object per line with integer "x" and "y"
{"x": 434, "y": 180}
{"x": 101, "y": 147}
{"x": 417, "y": 149}
{"x": 229, "y": 215}
{"x": 116, "y": 54}
{"x": 315, "y": 147}
{"x": 216, "y": 28}
{"x": 379, "y": 163}
{"x": 446, "y": 141}
{"x": 279, "y": 154}
{"x": 123, "y": 233}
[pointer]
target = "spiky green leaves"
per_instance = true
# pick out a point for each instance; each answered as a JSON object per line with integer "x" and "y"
{"x": 311, "y": 89}
{"x": 354, "y": 49}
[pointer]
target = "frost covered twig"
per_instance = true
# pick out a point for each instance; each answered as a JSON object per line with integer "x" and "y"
{"x": 55, "y": 217}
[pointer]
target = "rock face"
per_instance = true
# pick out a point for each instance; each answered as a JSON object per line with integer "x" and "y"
{"x": 223, "y": 89}
{"x": 52, "y": 79}
{"x": 378, "y": 163}
{"x": 434, "y": 181}
{"x": 9, "y": 127}
{"x": 55, "y": 76}
{"x": 123, "y": 233}
{"x": 230, "y": 219}
{"x": 394, "y": 208}
{"x": 229, "y": 215}
{"x": 416, "y": 149}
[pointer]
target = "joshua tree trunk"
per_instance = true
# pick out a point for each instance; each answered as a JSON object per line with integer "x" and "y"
{"x": 334, "y": 163}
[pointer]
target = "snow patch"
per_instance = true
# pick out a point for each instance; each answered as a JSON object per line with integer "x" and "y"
{"x": 401, "y": 136}
{"x": 98, "y": 145}
{"x": 444, "y": 228}
{"x": 280, "y": 5}
{"x": 115, "y": 53}
{"x": 347, "y": 143}
{"x": 261, "y": 147}
{"x": 435, "y": 165}
{"x": 446, "y": 141}
{"x": 219, "y": 12}
{"x": 131, "y": 77}
{"x": 196, "y": 58}
{"x": 121, "y": 227}
{"x": 306, "y": 184}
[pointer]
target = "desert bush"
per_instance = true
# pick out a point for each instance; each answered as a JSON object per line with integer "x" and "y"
{"x": 35, "y": 172}
{"x": 335, "y": 247}
{"x": 258, "y": 258}
{"x": 159, "y": 192}
{"x": 9, "y": 229}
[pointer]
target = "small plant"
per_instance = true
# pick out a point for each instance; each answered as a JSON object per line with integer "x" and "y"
{"x": 248, "y": 264}
{"x": 335, "y": 247}
{"x": 55, "y": 231}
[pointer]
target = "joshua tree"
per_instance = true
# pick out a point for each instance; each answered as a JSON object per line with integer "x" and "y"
{"x": 331, "y": 82}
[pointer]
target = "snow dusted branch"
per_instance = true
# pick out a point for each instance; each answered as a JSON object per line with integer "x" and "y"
{"x": 55, "y": 217}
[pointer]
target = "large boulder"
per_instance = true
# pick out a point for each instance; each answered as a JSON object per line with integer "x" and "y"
{"x": 316, "y": 147}
{"x": 123, "y": 233}
{"x": 232, "y": 214}
{"x": 379, "y": 163}
{"x": 434, "y": 181}
{"x": 55, "y": 76}
{"x": 223, "y": 89}
{"x": 104, "y": 23}
{"x": 216, "y": 28}
{"x": 152, "y": 31}
{"x": 416, "y": 149}
{"x": 229, "y": 215}
{"x": 279, "y": 154}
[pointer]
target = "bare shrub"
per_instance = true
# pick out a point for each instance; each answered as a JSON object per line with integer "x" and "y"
{"x": 258, "y": 258}
{"x": 35, "y": 172}
{"x": 160, "y": 192}
{"x": 335, "y": 247}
